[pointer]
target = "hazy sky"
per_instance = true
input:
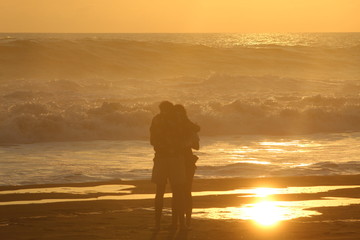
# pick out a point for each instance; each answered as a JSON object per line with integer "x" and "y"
{"x": 179, "y": 15}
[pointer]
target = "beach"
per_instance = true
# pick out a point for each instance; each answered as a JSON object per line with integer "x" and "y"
{"x": 133, "y": 218}
{"x": 279, "y": 118}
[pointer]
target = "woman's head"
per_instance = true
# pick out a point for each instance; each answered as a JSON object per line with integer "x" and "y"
{"x": 180, "y": 110}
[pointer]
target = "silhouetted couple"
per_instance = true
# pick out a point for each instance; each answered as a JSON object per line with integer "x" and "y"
{"x": 174, "y": 136}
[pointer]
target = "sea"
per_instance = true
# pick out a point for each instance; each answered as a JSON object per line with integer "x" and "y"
{"x": 77, "y": 107}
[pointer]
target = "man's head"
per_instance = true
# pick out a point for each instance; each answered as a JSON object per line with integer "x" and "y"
{"x": 166, "y": 107}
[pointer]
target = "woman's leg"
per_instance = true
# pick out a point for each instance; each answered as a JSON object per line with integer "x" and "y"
{"x": 188, "y": 196}
{"x": 178, "y": 205}
{"x": 174, "y": 213}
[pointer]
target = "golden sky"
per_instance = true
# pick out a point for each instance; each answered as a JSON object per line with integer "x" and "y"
{"x": 179, "y": 15}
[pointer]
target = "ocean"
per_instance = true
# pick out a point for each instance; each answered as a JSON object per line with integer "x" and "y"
{"x": 77, "y": 107}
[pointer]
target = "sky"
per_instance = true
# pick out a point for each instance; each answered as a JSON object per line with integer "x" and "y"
{"x": 179, "y": 16}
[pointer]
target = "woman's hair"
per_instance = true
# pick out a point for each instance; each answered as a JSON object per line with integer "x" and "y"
{"x": 180, "y": 109}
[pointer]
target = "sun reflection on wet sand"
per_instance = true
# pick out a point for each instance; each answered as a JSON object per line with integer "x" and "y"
{"x": 264, "y": 211}
{"x": 264, "y": 192}
{"x": 268, "y": 213}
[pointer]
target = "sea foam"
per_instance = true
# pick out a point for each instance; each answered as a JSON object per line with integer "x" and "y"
{"x": 34, "y": 121}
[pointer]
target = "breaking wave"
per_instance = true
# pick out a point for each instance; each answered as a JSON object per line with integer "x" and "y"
{"x": 66, "y": 89}
{"x": 33, "y": 121}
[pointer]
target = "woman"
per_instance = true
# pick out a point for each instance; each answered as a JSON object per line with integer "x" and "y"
{"x": 190, "y": 140}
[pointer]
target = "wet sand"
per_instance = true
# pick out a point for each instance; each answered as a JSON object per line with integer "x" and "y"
{"x": 133, "y": 219}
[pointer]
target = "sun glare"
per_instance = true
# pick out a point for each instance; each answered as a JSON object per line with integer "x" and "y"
{"x": 265, "y": 213}
{"x": 264, "y": 192}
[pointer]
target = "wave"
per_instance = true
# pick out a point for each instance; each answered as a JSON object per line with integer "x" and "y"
{"x": 89, "y": 89}
{"x": 60, "y": 58}
{"x": 70, "y": 120}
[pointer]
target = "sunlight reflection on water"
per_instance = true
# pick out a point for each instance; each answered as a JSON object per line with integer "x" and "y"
{"x": 263, "y": 210}
{"x": 267, "y": 213}
{"x": 296, "y": 143}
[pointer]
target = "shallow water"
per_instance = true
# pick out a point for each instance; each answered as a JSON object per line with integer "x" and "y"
{"x": 263, "y": 210}
{"x": 267, "y": 212}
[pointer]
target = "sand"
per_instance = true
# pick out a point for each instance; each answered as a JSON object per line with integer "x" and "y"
{"x": 133, "y": 219}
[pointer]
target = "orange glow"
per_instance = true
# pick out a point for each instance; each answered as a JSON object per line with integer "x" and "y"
{"x": 179, "y": 16}
{"x": 266, "y": 213}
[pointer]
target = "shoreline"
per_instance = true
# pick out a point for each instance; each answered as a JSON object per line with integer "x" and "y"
{"x": 133, "y": 219}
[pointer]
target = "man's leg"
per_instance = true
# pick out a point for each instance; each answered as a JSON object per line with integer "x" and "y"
{"x": 159, "y": 202}
{"x": 188, "y": 207}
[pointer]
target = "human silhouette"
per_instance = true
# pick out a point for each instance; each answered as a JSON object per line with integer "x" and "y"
{"x": 173, "y": 136}
{"x": 160, "y": 139}
{"x": 190, "y": 140}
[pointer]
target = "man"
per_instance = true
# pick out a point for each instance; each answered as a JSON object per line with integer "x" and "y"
{"x": 161, "y": 138}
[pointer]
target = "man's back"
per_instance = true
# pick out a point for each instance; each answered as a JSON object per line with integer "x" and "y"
{"x": 162, "y": 133}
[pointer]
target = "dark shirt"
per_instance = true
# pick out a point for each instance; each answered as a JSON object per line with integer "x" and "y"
{"x": 163, "y": 134}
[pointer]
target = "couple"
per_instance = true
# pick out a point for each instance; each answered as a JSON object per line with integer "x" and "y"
{"x": 173, "y": 137}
